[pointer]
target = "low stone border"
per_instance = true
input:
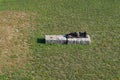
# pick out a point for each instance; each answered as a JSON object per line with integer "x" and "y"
{"x": 61, "y": 39}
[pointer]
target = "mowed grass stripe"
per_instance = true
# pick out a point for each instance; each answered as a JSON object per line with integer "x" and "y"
{"x": 14, "y": 35}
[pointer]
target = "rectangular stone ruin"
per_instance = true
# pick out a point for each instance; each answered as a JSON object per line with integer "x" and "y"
{"x": 63, "y": 39}
{"x": 57, "y": 39}
{"x": 79, "y": 40}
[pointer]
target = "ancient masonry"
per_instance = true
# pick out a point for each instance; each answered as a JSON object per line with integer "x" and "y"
{"x": 72, "y": 38}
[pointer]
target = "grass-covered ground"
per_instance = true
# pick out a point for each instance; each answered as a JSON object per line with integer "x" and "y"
{"x": 24, "y": 56}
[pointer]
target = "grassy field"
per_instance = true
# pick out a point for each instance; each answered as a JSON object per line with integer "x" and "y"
{"x": 24, "y": 56}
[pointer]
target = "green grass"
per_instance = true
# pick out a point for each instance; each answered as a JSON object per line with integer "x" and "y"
{"x": 98, "y": 61}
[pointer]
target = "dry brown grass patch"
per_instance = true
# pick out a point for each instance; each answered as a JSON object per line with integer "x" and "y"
{"x": 14, "y": 33}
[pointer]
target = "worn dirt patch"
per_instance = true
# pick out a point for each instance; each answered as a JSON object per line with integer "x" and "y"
{"x": 14, "y": 34}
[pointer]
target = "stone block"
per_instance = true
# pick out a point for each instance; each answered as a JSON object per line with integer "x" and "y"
{"x": 86, "y": 40}
{"x": 57, "y": 39}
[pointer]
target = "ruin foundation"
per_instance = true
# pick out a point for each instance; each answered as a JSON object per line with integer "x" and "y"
{"x": 61, "y": 39}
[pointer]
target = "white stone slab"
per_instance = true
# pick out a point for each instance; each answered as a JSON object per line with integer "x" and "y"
{"x": 79, "y": 40}
{"x": 57, "y": 39}
{"x": 61, "y": 39}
